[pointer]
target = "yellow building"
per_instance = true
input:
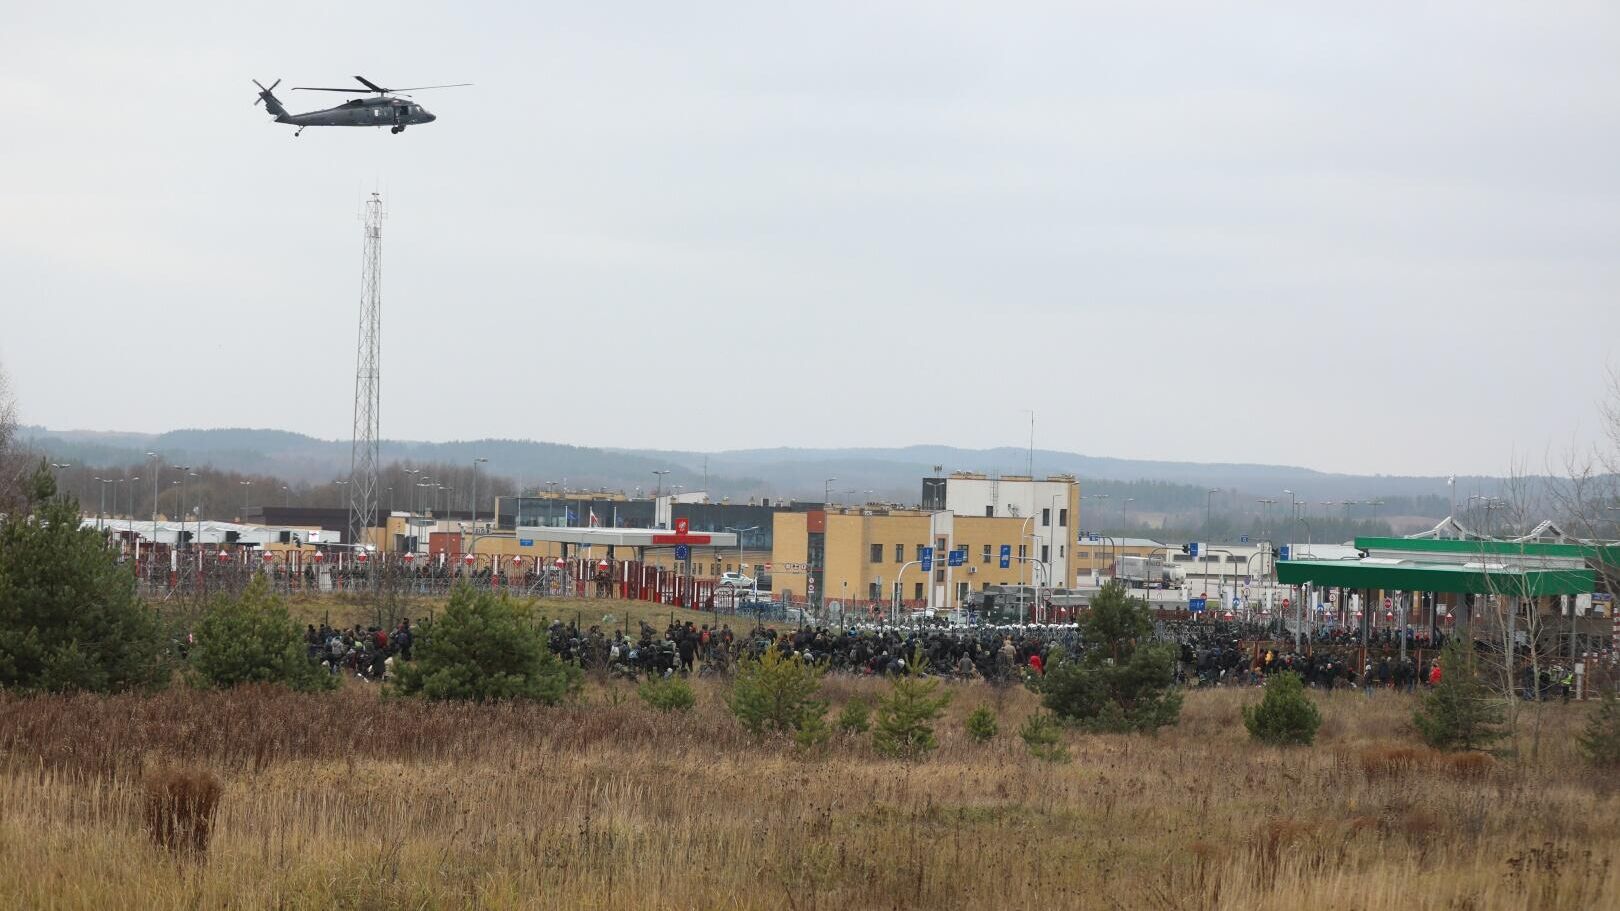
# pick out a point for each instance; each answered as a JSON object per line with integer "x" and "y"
{"x": 856, "y": 556}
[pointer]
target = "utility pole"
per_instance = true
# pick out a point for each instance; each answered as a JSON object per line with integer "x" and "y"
{"x": 365, "y": 451}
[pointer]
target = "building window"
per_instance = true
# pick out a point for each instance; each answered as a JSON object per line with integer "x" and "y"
{"x": 877, "y": 553}
{"x": 939, "y": 575}
{"x": 1046, "y": 517}
{"x": 916, "y": 592}
{"x": 1046, "y": 554}
{"x": 899, "y": 553}
{"x": 1061, "y": 549}
{"x": 1063, "y": 518}
{"x": 920, "y": 550}
{"x": 1023, "y": 551}
{"x": 872, "y": 592}
{"x": 939, "y": 548}
{"x": 985, "y": 557}
{"x": 989, "y": 512}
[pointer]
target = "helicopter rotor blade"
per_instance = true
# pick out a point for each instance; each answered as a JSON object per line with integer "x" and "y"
{"x": 422, "y": 88}
{"x": 370, "y": 85}
{"x": 261, "y": 89}
{"x": 312, "y": 88}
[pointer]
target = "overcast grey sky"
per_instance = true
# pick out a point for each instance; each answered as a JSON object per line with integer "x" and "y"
{"x": 1372, "y": 238}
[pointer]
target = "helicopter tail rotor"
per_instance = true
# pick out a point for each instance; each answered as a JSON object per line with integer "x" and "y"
{"x": 267, "y": 96}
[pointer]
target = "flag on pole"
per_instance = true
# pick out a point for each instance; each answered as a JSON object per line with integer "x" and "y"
{"x": 594, "y": 522}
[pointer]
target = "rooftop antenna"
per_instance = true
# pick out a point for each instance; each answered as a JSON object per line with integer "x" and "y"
{"x": 363, "y": 456}
{"x": 1029, "y": 461}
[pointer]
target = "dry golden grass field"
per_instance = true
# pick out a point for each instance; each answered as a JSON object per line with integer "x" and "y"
{"x": 349, "y": 800}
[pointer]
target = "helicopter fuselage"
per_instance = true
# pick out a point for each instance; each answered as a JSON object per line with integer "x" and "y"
{"x": 363, "y": 112}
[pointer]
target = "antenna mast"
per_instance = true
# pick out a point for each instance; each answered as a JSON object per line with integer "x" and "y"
{"x": 367, "y": 399}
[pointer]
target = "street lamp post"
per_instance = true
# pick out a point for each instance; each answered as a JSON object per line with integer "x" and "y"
{"x": 1123, "y": 504}
{"x": 1209, "y": 498}
{"x": 185, "y": 471}
{"x": 475, "y": 463}
{"x": 247, "y": 488}
{"x": 157, "y": 472}
{"x": 103, "y": 507}
{"x": 131, "y": 513}
{"x": 1293, "y": 527}
{"x": 414, "y": 482}
{"x": 740, "y": 532}
{"x": 826, "y": 492}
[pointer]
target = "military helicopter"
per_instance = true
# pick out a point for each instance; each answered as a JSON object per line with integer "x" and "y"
{"x": 385, "y": 110}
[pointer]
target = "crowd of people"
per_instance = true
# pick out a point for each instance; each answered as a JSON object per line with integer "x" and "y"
{"x": 1219, "y": 654}
{"x": 1210, "y": 654}
{"x": 367, "y": 653}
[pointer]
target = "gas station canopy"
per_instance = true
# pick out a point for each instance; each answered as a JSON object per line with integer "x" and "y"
{"x": 1518, "y": 568}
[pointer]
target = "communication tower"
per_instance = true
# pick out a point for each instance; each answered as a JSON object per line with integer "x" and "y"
{"x": 367, "y": 392}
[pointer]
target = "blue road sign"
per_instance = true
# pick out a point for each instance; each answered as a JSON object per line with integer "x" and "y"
{"x": 1006, "y": 555}
{"x": 927, "y": 559}
{"x": 956, "y": 558}
{"x": 1243, "y": 539}
{"x": 1194, "y": 605}
{"x": 1282, "y": 552}
{"x": 1093, "y": 538}
{"x": 525, "y": 542}
{"x": 682, "y": 551}
{"x": 1192, "y": 548}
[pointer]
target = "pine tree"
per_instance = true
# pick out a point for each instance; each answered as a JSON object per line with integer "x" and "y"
{"x": 905, "y": 717}
{"x": 855, "y": 716}
{"x": 483, "y": 648}
{"x": 775, "y": 693}
{"x": 251, "y": 638}
{"x": 981, "y": 724}
{"x": 1120, "y": 682}
{"x": 1600, "y": 741}
{"x": 1459, "y": 714}
{"x": 1043, "y": 737}
{"x": 69, "y": 615}
{"x": 1285, "y": 715}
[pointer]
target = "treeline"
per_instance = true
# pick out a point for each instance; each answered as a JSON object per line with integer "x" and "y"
{"x": 129, "y": 489}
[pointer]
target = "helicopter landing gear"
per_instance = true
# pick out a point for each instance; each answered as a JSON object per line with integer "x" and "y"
{"x": 397, "y": 129}
{"x": 297, "y": 132}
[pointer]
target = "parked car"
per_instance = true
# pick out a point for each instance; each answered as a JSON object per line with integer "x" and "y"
{"x": 736, "y": 580}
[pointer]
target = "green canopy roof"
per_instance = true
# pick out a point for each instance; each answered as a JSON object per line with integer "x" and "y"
{"x": 1602, "y": 553}
{"x": 1412, "y": 576}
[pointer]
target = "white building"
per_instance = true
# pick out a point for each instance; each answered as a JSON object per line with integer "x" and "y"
{"x": 1050, "y": 507}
